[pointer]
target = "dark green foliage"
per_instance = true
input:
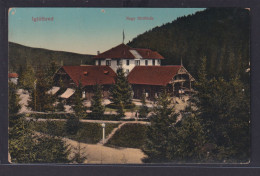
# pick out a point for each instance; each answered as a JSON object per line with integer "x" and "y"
{"x": 60, "y": 106}
{"x": 51, "y": 149}
{"x": 79, "y": 157}
{"x": 121, "y": 92}
{"x": 220, "y": 34}
{"x": 143, "y": 111}
{"x": 223, "y": 107}
{"x": 96, "y": 104}
{"x": 40, "y": 100}
{"x": 21, "y": 142}
{"x": 129, "y": 135}
{"x": 72, "y": 125}
{"x": 78, "y": 107}
{"x": 13, "y": 99}
{"x": 27, "y": 147}
{"x": 51, "y": 116}
{"x": 27, "y": 78}
{"x": 20, "y": 55}
{"x": 88, "y": 132}
{"x": 162, "y": 123}
{"x": 187, "y": 141}
{"x": 120, "y": 110}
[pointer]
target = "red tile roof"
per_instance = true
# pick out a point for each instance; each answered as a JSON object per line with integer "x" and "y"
{"x": 153, "y": 75}
{"x": 91, "y": 74}
{"x": 123, "y": 51}
{"x": 12, "y": 75}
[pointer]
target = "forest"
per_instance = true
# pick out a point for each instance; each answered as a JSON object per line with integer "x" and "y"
{"x": 220, "y": 34}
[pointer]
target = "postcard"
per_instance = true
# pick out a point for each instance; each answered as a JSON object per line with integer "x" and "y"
{"x": 129, "y": 85}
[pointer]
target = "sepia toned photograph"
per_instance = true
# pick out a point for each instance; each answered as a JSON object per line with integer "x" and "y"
{"x": 129, "y": 85}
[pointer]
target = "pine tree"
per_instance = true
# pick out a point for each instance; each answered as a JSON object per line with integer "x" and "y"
{"x": 158, "y": 133}
{"x": 187, "y": 140}
{"x": 143, "y": 111}
{"x": 79, "y": 157}
{"x": 21, "y": 142}
{"x": 120, "y": 110}
{"x": 78, "y": 106}
{"x": 121, "y": 90}
{"x": 96, "y": 104}
{"x": 27, "y": 78}
{"x": 13, "y": 99}
{"x": 223, "y": 107}
{"x": 40, "y": 100}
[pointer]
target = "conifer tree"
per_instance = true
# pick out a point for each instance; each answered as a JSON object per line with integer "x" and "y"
{"x": 27, "y": 78}
{"x": 158, "y": 133}
{"x": 21, "y": 142}
{"x": 121, "y": 91}
{"x": 13, "y": 99}
{"x": 143, "y": 111}
{"x": 96, "y": 104}
{"x": 78, "y": 106}
{"x": 40, "y": 100}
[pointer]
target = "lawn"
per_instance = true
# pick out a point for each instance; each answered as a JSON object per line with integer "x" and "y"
{"x": 90, "y": 133}
{"x": 130, "y": 135}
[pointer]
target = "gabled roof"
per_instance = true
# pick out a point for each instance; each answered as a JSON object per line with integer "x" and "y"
{"x": 153, "y": 75}
{"x": 90, "y": 74}
{"x": 126, "y": 52}
{"x": 12, "y": 75}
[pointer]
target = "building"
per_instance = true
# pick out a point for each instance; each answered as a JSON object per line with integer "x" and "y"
{"x": 126, "y": 57}
{"x": 86, "y": 75}
{"x": 143, "y": 68}
{"x": 152, "y": 79}
{"x": 13, "y": 77}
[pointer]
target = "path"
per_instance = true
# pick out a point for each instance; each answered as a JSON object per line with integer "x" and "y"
{"x": 111, "y": 134}
{"x": 88, "y": 121}
{"x": 99, "y": 154}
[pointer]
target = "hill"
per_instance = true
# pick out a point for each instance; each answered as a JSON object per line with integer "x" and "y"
{"x": 20, "y": 55}
{"x": 220, "y": 34}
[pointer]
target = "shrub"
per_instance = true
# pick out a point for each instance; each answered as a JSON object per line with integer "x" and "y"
{"x": 130, "y": 135}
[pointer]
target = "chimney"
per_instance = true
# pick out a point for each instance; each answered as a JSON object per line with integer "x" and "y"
{"x": 98, "y": 52}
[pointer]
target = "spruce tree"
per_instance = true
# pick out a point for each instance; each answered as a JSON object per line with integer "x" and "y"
{"x": 40, "y": 100}
{"x": 121, "y": 91}
{"x": 13, "y": 99}
{"x": 158, "y": 133}
{"x": 96, "y": 104}
{"x": 78, "y": 106}
{"x": 143, "y": 111}
{"x": 27, "y": 78}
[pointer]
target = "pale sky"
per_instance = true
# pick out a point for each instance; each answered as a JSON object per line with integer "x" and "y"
{"x": 86, "y": 30}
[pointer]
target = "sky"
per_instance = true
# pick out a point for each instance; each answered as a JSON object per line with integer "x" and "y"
{"x": 86, "y": 30}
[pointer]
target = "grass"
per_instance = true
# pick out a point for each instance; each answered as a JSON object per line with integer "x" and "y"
{"x": 130, "y": 135}
{"x": 90, "y": 133}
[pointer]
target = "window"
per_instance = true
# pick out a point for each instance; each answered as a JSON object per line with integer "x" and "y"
{"x": 118, "y": 62}
{"x": 108, "y": 62}
{"x": 159, "y": 61}
{"x": 137, "y": 62}
{"x": 127, "y": 62}
{"x": 146, "y": 62}
{"x": 99, "y": 62}
{"x": 153, "y": 62}
{"x": 127, "y": 71}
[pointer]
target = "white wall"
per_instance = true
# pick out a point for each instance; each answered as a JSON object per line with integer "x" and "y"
{"x": 131, "y": 65}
